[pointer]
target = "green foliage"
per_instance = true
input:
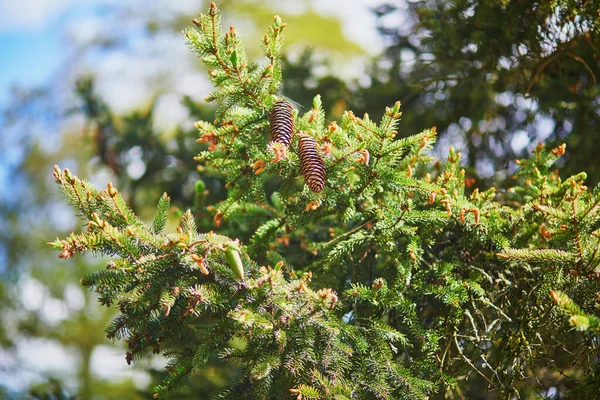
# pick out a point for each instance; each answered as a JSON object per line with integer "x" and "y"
{"x": 579, "y": 319}
{"x": 442, "y": 291}
{"x": 161, "y": 214}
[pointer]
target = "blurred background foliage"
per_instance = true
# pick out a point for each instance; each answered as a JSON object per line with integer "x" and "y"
{"x": 495, "y": 77}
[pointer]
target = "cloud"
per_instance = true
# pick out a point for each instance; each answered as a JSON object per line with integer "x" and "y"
{"x": 32, "y": 14}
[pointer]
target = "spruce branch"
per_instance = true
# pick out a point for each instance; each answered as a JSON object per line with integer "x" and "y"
{"x": 183, "y": 276}
{"x": 424, "y": 269}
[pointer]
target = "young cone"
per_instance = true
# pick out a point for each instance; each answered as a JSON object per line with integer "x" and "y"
{"x": 311, "y": 163}
{"x": 282, "y": 123}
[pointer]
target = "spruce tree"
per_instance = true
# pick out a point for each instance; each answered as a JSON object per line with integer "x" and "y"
{"x": 393, "y": 281}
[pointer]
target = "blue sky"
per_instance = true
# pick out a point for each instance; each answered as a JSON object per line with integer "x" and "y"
{"x": 33, "y": 39}
{"x": 30, "y": 43}
{"x": 28, "y": 58}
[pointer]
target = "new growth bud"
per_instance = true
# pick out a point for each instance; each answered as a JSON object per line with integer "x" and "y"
{"x": 232, "y": 253}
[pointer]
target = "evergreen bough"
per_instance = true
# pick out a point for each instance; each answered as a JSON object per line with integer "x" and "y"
{"x": 394, "y": 282}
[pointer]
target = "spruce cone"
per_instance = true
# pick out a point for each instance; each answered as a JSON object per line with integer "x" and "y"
{"x": 282, "y": 122}
{"x": 311, "y": 163}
